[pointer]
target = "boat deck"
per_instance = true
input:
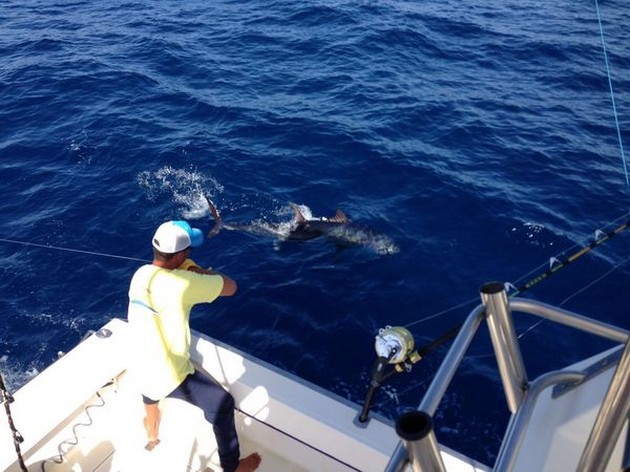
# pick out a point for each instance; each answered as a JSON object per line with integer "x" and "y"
{"x": 83, "y": 405}
{"x": 110, "y": 437}
{"x": 82, "y": 414}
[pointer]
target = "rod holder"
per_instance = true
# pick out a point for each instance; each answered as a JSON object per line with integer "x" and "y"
{"x": 415, "y": 428}
{"x": 503, "y": 336}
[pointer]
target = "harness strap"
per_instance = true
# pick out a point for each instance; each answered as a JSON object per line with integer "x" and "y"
{"x": 135, "y": 301}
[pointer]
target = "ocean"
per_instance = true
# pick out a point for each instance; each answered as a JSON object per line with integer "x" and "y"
{"x": 480, "y": 138}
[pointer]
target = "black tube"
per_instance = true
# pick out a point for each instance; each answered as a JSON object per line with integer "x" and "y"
{"x": 414, "y": 425}
{"x": 378, "y": 374}
{"x": 366, "y": 405}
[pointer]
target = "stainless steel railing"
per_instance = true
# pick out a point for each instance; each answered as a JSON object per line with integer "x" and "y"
{"x": 521, "y": 395}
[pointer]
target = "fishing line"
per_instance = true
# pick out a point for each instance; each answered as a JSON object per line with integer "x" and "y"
{"x": 579, "y": 244}
{"x": 598, "y": 279}
{"x": 574, "y": 294}
{"x": 66, "y": 249}
{"x": 612, "y": 95}
{"x": 394, "y": 396}
{"x": 448, "y": 310}
{"x": 555, "y": 265}
{"x": 539, "y": 322}
{"x": 577, "y": 292}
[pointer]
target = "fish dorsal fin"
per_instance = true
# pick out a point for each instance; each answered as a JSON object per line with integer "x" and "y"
{"x": 299, "y": 217}
{"x": 340, "y": 217}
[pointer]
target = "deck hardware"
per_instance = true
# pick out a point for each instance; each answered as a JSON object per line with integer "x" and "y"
{"x": 103, "y": 333}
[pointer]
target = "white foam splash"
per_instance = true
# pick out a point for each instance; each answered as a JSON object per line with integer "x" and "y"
{"x": 306, "y": 212}
{"x": 186, "y": 188}
{"x": 14, "y": 376}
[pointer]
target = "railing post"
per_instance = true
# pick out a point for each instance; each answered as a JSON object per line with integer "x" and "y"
{"x": 415, "y": 428}
{"x": 505, "y": 344}
{"x": 610, "y": 420}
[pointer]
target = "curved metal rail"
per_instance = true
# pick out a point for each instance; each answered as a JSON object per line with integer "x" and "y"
{"x": 497, "y": 311}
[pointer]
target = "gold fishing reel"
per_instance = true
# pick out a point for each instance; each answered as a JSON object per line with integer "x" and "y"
{"x": 395, "y": 344}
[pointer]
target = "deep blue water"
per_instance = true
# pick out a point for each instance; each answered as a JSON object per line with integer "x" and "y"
{"x": 479, "y": 136}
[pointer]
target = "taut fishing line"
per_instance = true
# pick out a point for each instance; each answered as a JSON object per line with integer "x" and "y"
{"x": 612, "y": 94}
{"x": 555, "y": 264}
{"x": 574, "y": 294}
{"x": 67, "y": 249}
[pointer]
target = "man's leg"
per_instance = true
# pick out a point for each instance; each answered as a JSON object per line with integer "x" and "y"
{"x": 151, "y": 422}
{"x": 218, "y": 408}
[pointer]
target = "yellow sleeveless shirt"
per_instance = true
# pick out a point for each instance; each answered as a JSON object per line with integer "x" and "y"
{"x": 160, "y": 301}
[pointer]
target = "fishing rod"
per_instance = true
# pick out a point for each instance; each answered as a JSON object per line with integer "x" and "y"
{"x": 395, "y": 355}
{"x": 555, "y": 265}
{"x": 394, "y": 345}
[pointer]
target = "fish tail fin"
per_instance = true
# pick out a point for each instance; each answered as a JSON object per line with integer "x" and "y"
{"x": 217, "y": 218}
{"x": 299, "y": 217}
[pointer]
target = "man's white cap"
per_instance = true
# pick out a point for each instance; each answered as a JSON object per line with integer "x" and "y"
{"x": 175, "y": 236}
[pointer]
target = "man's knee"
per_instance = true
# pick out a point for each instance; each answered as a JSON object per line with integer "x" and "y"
{"x": 228, "y": 402}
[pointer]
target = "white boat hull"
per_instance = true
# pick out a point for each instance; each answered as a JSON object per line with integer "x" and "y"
{"x": 294, "y": 425}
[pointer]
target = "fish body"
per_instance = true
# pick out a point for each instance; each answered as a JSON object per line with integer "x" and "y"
{"x": 341, "y": 230}
{"x": 337, "y": 228}
{"x": 310, "y": 228}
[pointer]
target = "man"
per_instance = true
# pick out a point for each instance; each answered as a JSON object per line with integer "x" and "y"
{"x": 161, "y": 296}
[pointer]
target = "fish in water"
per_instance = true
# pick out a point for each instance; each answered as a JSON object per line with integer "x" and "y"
{"x": 340, "y": 229}
{"x": 310, "y": 228}
{"x": 304, "y": 227}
